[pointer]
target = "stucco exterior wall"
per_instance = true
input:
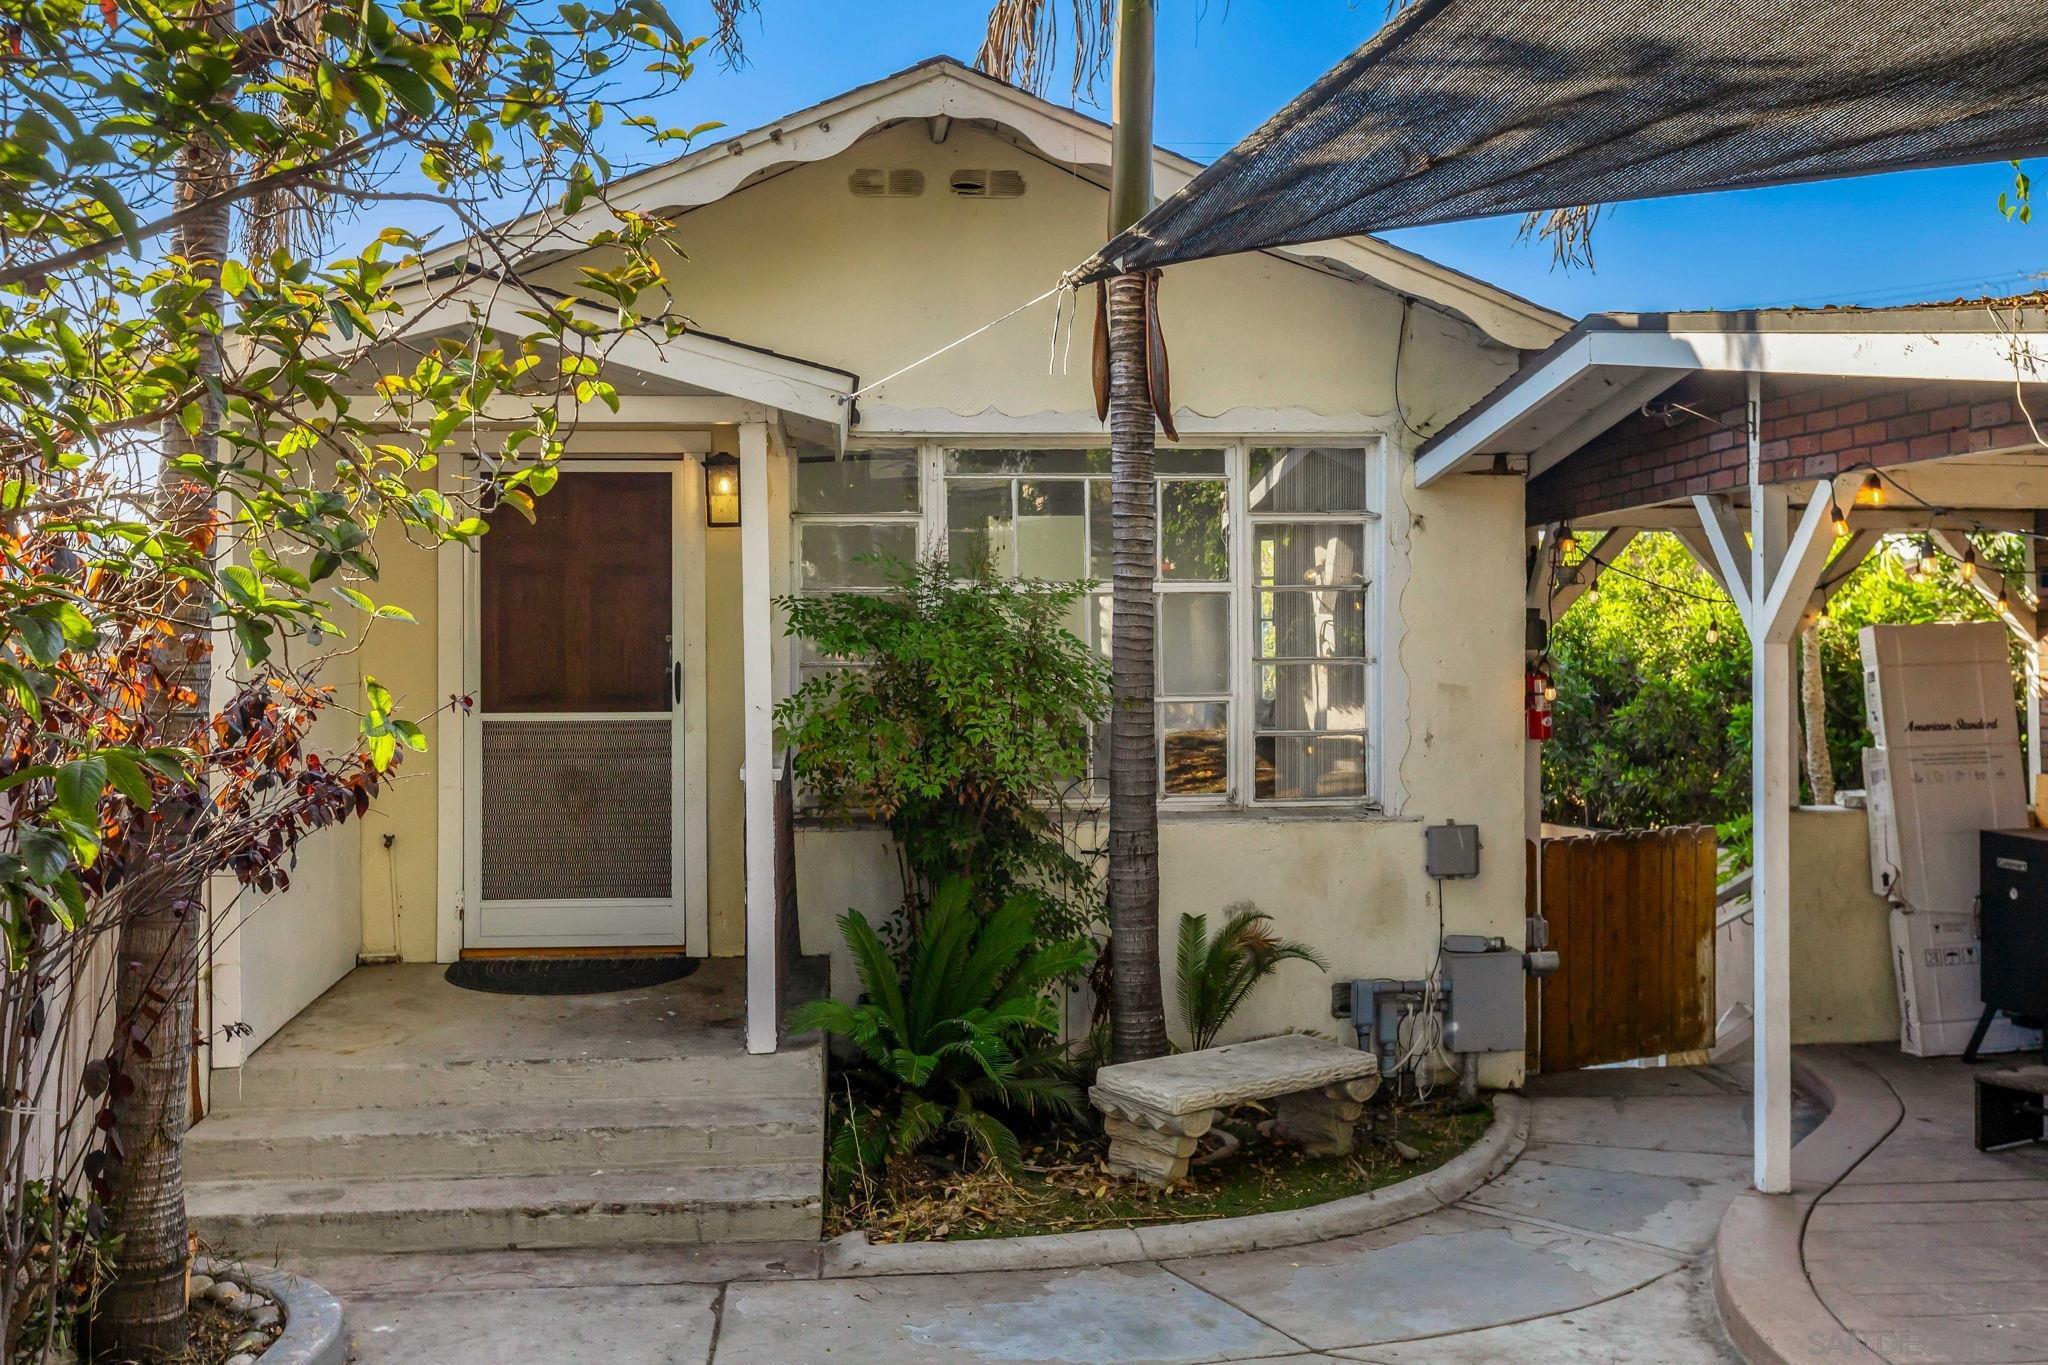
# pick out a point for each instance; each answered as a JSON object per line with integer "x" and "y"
{"x": 1842, "y": 982}
{"x": 1259, "y": 344}
{"x": 798, "y": 265}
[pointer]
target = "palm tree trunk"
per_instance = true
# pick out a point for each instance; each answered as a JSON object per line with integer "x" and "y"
{"x": 1813, "y": 714}
{"x": 1138, "y": 1009}
{"x": 142, "y": 1314}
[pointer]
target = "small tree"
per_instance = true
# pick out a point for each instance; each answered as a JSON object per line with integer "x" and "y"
{"x": 964, "y": 726}
{"x": 205, "y": 423}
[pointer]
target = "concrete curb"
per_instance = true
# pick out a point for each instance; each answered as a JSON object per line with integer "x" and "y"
{"x": 312, "y": 1317}
{"x": 1495, "y": 1151}
{"x": 1767, "y": 1302}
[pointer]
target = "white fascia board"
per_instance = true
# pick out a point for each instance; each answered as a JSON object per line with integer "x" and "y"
{"x": 1989, "y": 356}
{"x": 1532, "y": 393}
{"x": 738, "y": 372}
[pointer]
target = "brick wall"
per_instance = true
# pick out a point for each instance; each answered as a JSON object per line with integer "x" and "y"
{"x": 1811, "y": 430}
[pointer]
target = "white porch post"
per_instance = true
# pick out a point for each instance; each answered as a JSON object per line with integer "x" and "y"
{"x": 757, "y": 635}
{"x": 1771, "y": 804}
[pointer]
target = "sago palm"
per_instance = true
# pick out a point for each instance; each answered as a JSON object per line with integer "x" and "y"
{"x": 1216, "y": 975}
{"x": 963, "y": 1029}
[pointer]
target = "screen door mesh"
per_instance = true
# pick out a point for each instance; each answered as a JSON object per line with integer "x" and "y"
{"x": 577, "y": 809}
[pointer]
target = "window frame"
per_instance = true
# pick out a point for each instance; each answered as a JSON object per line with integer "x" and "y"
{"x": 1241, "y": 700}
{"x": 1372, "y": 572}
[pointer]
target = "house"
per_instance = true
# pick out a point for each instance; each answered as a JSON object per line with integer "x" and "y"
{"x": 633, "y": 653}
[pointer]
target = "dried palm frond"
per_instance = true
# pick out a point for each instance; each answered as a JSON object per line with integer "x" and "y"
{"x": 731, "y": 47}
{"x": 1569, "y": 232}
{"x": 1024, "y": 35}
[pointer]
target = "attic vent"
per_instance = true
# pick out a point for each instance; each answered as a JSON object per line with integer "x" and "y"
{"x": 988, "y": 184}
{"x": 898, "y": 182}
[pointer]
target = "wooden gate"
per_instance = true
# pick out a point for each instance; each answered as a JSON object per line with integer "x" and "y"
{"x": 1632, "y": 919}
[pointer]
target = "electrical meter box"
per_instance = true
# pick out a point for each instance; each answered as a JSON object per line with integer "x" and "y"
{"x": 1451, "y": 850}
{"x": 1486, "y": 1011}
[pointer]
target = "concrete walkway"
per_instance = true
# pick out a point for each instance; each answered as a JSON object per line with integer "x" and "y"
{"x": 1590, "y": 1247}
{"x": 1927, "y": 1249}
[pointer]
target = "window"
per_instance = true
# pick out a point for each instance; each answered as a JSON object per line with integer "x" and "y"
{"x": 1309, "y": 636}
{"x": 1265, "y": 611}
{"x": 854, "y": 512}
{"x": 1046, "y": 514}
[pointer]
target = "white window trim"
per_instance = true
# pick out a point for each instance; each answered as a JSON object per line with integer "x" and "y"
{"x": 1241, "y": 702}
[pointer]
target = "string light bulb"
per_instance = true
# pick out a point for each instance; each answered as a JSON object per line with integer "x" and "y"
{"x": 1871, "y": 494}
{"x": 1969, "y": 566}
{"x": 2004, "y": 600}
{"x": 1567, "y": 542}
{"x": 1841, "y": 522}
{"x": 1549, "y": 690}
{"x": 1713, "y": 633}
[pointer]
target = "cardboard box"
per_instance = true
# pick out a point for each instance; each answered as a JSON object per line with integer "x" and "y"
{"x": 1935, "y": 961}
{"x": 1940, "y": 702}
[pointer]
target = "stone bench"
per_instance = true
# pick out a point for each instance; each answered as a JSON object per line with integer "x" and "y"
{"x": 1156, "y": 1111}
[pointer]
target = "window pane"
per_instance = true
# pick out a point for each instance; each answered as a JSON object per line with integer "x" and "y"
{"x": 1192, "y": 543}
{"x": 1307, "y": 479}
{"x": 1305, "y": 767}
{"x": 1174, "y": 460}
{"x": 1101, "y": 551}
{"x": 849, "y": 555}
{"x": 1195, "y": 738}
{"x": 1052, "y": 537}
{"x": 873, "y": 481}
{"x": 1099, "y": 619}
{"x": 1310, "y": 625}
{"x": 1311, "y": 697}
{"x": 1318, "y": 554}
{"x": 1194, "y": 643}
{"x": 978, "y": 525}
{"x": 1027, "y": 462}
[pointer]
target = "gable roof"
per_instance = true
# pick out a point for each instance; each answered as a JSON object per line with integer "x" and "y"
{"x": 946, "y": 88}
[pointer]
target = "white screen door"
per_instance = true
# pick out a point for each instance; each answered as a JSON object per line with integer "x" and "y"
{"x": 578, "y": 808}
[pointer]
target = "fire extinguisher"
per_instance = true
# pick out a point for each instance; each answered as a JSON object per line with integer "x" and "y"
{"x": 1541, "y": 694}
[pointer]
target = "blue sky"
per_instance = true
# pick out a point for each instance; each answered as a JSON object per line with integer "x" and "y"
{"x": 1224, "y": 65}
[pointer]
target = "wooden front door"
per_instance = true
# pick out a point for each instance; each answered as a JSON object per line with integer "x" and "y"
{"x": 577, "y": 758}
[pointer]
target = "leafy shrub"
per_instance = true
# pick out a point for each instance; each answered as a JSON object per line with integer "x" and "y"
{"x": 1216, "y": 976}
{"x": 963, "y": 1032}
{"x": 965, "y": 730}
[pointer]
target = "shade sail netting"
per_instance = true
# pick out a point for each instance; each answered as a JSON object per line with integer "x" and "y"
{"x": 1466, "y": 108}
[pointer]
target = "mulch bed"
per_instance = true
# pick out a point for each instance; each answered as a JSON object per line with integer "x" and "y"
{"x": 1063, "y": 1187}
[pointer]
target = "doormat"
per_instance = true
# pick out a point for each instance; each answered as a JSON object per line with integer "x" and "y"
{"x": 567, "y": 975}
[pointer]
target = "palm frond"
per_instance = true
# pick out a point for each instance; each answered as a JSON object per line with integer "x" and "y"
{"x": 1024, "y": 35}
{"x": 989, "y": 1135}
{"x": 1216, "y": 975}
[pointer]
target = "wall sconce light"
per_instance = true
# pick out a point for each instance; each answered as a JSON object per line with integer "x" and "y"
{"x": 722, "y": 490}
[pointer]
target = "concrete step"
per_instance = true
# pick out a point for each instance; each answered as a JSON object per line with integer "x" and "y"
{"x": 760, "y": 1203}
{"x": 797, "y": 1072}
{"x": 534, "y": 1138}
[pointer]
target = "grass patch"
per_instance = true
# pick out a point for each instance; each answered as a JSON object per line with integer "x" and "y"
{"x": 1063, "y": 1187}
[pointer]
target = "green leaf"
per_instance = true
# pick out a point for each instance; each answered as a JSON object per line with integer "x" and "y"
{"x": 79, "y": 784}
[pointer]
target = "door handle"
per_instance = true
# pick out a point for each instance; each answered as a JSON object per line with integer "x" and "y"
{"x": 678, "y": 670}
